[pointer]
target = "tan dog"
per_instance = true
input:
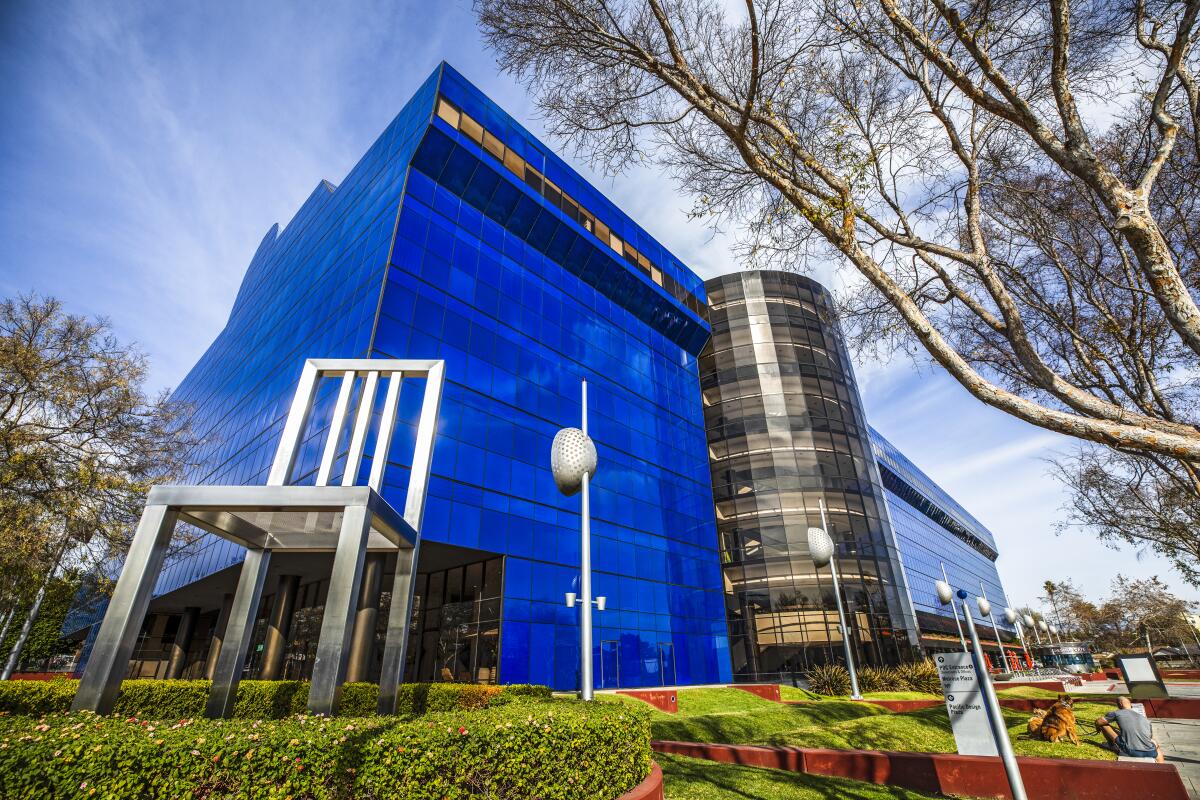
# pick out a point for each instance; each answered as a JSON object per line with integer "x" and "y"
{"x": 1059, "y": 722}
{"x": 1035, "y": 722}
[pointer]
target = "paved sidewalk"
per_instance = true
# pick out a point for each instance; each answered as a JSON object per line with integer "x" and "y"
{"x": 1180, "y": 741}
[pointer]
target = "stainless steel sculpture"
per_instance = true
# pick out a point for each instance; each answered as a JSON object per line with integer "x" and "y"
{"x": 348, "y": 520}
{"x": 573, "y": 463}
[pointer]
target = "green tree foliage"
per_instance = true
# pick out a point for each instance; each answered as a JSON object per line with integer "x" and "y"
{"x": 1119, "y": 622}
{"x": 45, "y": 639}
{"x": 80, "y": 444}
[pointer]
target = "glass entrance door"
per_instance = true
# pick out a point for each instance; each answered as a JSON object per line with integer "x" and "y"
{"x": 666, "y": 663}
{"x": 608, "y": 675}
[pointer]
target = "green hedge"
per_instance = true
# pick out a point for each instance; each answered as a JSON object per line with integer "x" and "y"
{"x": 152, "y": 699}
{"x": 557, "y": 750}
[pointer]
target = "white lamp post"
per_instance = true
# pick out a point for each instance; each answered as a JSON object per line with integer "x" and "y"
{"x": 1015, "y": 620}
{"x": 573, "y": 463}
{"x": 962, "y": 639}
{"x": 983, "y": 602}
{"x": 1032, "y": 625}
{"x": 995, "y": 717}
{"x": 820, "y": 548}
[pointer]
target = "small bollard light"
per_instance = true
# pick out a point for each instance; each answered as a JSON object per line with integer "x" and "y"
{"x": 571, "y": 599}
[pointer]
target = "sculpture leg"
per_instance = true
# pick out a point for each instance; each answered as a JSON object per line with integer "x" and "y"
{"x": 333, "y": 648}
{"x": 236, "y": 641}
{"x": 118, "y": 633}
{"x": 395, "y": 647}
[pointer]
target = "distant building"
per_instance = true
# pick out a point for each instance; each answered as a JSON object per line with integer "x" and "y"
{"x": 786, "y": 430}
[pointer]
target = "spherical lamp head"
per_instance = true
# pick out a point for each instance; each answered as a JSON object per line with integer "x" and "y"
{"x": 944, "y": 593}
{"x": 1042, "y": 624}
{"x": 1028, "y": 620}
{"x": 572, "y": 455}
{"x": 1011, "y": 616}
{"x": 985, "y": 608}
{"x": 820, "y": 546}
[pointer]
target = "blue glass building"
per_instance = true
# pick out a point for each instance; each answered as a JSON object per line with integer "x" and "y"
{"x": 935, "y": 533}
{"x": 460, "y": 236}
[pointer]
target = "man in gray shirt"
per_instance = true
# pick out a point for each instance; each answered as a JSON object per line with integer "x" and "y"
{"x": 1134, "y": 736}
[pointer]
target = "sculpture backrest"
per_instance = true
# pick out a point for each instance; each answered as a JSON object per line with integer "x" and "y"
{"x": 371, "y": 371}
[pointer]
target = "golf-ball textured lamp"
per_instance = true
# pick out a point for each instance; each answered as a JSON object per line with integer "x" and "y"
{"x": 572, "y": 455}
{"x": 820, "y": 546}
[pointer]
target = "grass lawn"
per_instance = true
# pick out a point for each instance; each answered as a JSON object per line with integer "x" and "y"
{"x": 928, "y": 731}
{"x": 732, "y": 716}
{"x": 791, "y": 693}
{"x": 1027, "y": 692}
{"x": 698, "y": 779}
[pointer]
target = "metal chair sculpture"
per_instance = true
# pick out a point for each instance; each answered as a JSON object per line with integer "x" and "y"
{"x": 348, "y": 520}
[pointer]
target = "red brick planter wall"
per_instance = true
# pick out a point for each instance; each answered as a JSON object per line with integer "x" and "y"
{"x": 767, "y": 691}
{"x": 41, "y": 676}
{"x": 660, "y": 699}
{"x": 970, "y": 776}
{"x": 649, "y": 789}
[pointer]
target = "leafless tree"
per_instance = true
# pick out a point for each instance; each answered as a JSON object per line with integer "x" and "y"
{"x": 1015, "y": 183}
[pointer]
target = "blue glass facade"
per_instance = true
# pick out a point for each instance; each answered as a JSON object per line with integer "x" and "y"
{"x": 933, "y": 531}
{"x": 483, "y": 248}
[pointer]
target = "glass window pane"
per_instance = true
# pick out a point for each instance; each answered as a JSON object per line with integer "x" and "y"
{"x": 448, "y": 113}
{"x": 493, "y": 145}
{"x": 515, "y": 163}
{"x": 472, "y": 129}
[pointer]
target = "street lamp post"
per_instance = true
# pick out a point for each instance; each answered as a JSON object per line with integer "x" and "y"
{"x": 573, "y": 463}
{"x": 962, "y": 639}
{"x": 995, "y": 717}
{"x": 995, "y": 628}
{"x": 820, "y": 548}
{"x": 1015, "y": 620}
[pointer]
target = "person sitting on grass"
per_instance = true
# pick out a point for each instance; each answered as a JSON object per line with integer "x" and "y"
{"x": 1134, "y": 736}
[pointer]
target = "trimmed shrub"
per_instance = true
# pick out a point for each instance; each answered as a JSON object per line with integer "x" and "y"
{"x": 154, "y": 699}
{"x": 558, "y": 750}
{"x": 34, "y": 698}
{"x": 829, "y": 679}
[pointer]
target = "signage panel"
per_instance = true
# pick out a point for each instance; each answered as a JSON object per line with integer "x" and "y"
{"x": 965, "y": 705}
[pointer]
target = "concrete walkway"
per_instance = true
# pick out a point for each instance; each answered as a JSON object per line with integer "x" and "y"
{"x": 1180, "y": 742}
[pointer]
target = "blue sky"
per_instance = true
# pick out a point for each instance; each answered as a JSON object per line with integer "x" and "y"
{"x": 147, "y": 147}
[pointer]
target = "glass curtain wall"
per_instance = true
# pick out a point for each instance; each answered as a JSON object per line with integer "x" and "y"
{"x": 785, "y": 431}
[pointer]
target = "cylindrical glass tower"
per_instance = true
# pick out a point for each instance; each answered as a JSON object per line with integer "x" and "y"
{"x": 785, "y": 429}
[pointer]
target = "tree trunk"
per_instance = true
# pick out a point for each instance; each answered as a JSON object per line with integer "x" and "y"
{"x": 23, "y": 636}
{"x": 27, "y": 628}
{"x": 8, "y": 618}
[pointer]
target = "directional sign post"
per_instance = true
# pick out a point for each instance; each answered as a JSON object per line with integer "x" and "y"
{"x": 965, "y": 705}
